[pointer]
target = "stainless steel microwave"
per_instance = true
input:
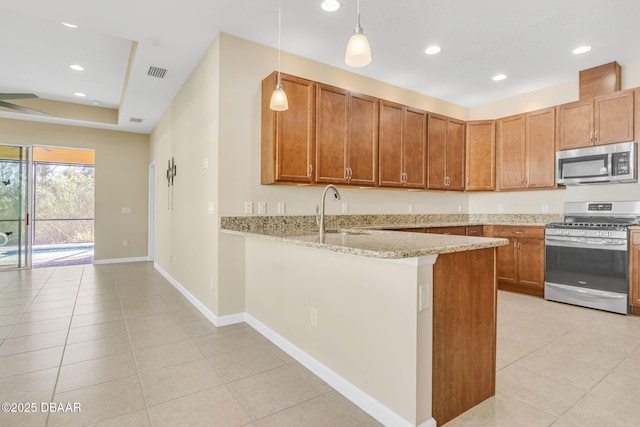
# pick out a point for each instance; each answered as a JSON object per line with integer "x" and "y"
{"x": 603, "y": 164}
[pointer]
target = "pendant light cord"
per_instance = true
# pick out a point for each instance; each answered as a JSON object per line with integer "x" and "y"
{"x": 279, "y": 37}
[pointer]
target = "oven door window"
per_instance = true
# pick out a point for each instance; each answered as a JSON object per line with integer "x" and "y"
{"x": 601, "y": 269}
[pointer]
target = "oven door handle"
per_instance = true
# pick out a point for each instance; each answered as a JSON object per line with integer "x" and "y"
{"x": 587, "y": 244}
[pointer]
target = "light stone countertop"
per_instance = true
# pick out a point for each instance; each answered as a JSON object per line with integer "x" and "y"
{"x": 376, "y": 243}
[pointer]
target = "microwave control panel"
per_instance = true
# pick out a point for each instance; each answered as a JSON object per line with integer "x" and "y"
{"x": 620, "y": 163}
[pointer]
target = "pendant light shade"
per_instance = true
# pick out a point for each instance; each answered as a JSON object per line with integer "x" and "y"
{"x": 358, "y": 51}
{"x": 279, "y": 101}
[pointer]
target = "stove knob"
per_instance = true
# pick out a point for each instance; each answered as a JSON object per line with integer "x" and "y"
{"x": 609, "y": 233}
{"x": 599, "y": 233}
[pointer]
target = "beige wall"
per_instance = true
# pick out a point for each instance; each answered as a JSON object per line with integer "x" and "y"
{"x": 121, "y": 179}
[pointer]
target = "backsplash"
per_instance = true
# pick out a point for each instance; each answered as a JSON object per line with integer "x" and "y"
{"x": 252, "y": 223}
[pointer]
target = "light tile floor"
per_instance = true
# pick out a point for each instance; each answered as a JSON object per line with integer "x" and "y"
{"x": 122, "y": 342}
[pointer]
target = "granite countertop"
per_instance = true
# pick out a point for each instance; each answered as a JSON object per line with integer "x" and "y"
{"x": 375, "y": 243}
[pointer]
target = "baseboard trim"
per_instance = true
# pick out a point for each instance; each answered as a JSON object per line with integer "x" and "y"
{"x": 365, "y": 402}
{"x": 120, "y": 260}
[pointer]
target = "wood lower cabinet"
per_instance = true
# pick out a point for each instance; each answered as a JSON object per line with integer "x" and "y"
{"x": 464, "y": 332}
{"x": 446, "y": 153}
{"x": 288, "y": 136}
{"x": 525, "y": 146}
{"x": 605, "y": 119}
{"x": 520, "y": 265}
{"x": 480, "y": 159}
{"x": 402, "y": 143}
{"x": 634, "y": 285}
{"x": 346, "y": 137}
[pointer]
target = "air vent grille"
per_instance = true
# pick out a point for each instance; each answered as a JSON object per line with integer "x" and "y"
{"x": 157, "y": 72}
{"x": 135, "y": 120}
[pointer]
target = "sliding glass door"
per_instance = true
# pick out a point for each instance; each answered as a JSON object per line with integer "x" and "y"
{"x": 15, "y": 194}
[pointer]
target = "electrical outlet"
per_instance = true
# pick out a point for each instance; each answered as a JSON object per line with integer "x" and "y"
{"x": 281, "y": 207}
{"x": 545, "y": 207}
{"x": 211, "y": 285}
{"x": 262, "y": 208}
{"x": 248, "y": 208}
{"x": 211, "y": 208}
{"x": 126, "y": 211}
{"x": 459, "y": 208}
{"x": 410, "y": 207}
{"x": 345, "y": 207}
{"x": 125, "y": 243}
{"x": 500, "y": 208}
{"x": 424, "y": 297}
{"x": 314, "y": 316}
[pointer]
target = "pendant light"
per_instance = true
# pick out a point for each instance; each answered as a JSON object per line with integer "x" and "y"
{"x": 279, "y": 100}
{"x": 358, "y": 51}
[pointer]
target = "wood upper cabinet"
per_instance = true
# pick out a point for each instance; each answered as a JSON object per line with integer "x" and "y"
{"x": 402, "y": 143}
{"x": 520, "y": 265}
{"x": 288, "y": 136}
{"x": 445, "y": 153}
{"x": 525, "y": 146}
{"x": 346, "y": 137}
{"x": 634, "y": 267}
{"x": 541, "y": 149}
{"x": 605, "y": 119}
{"x": 480, "y": 158}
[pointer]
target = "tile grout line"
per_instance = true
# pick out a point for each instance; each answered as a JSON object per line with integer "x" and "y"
{"x": 133, "y": 353}
{"x": 64, "y": 348}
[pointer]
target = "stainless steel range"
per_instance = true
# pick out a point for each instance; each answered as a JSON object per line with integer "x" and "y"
{"x": 587, "y": 255}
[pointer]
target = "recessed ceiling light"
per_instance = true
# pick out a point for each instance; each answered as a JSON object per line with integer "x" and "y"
{"x": 499, "y": 77}
{"x": 432, "y": 50}
{"x": 330, "y": 5}
{"x": 581, "y": 49}
{"x": 80, "y": 94}
{"x": 76, "y": 67}
{"x": 68, "y": 25}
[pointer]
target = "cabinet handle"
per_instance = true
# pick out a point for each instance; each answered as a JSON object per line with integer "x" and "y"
{"x": 591, "y": 137}
{"x": 517, "y": 232}
{"x": 310, "y": 169}
{"x": 404, "y": 177}
{"x": 596, "y": 136}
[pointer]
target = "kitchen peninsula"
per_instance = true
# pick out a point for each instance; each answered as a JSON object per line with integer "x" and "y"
{"x": 403, "y": 324}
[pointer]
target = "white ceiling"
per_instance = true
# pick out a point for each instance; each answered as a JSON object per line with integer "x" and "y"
{"x": 529, "y": 41}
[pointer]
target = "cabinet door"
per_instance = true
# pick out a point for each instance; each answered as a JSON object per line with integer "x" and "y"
{"x": 288, "y": 136}
{"x": 437, "y": 131}
{"x": 511, "y": 150}
{"x": 332, "y": 111}
{"x": 390, "y": 144}
{"x": 531, "y": 263}
{"x": 541, "y": 148}
{"x": 480, "y": 158}
{"x": 614, "y": 118}
{"x": 362, "y": 144}
{"x": 634, "y": 264}
{"x": 576, "y": 122}
{"x": 506, "y": 263}
{"x": 454, "y": 168}
{"x": 414, "y": 148}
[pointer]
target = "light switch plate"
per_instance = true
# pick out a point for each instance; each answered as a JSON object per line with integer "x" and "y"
{"x": 248, "y": 208}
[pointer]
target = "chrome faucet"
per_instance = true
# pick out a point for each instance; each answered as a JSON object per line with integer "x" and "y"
{"x": 320, "y": 216}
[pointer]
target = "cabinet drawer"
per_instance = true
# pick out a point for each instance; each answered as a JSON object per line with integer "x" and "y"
{"x": 531, "y": 232}
{"x": 411, "y": 230}
{"x": 458, "y": 231}
{"x": 475, "y": 230}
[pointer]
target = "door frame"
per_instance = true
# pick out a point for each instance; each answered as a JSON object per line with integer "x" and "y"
{"x": 152, "y": 212}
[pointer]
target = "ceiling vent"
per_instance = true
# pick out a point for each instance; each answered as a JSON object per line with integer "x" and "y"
{"x": 157, "y": 72}
{"x": 135, "y": 120}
